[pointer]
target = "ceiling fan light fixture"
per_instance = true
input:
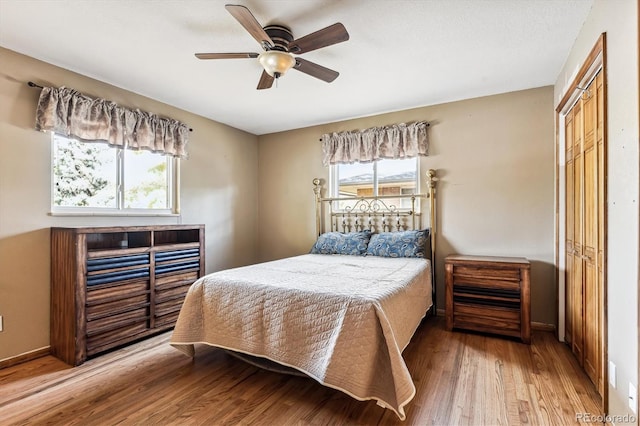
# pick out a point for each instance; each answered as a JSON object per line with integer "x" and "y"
{"x": 276, "y": 63}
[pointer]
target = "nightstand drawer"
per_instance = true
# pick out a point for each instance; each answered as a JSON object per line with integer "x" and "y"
{"x": 507, "y": 279}
{"x": 467, "y": 322}
{"x": 488, "y": 294}
{"x": 488, "y": 312}
{"x": 488, "y": 272}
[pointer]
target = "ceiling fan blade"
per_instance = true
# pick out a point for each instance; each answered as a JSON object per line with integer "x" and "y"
{"x": 266, "y": 81}
{"x": 315, "y": 70}
{"x": 250, "y": 23}
{"x": 225, "y": 55}
{"x": 332, "y": 34}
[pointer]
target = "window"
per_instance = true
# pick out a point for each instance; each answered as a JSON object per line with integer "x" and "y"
{"x": 379, "y": 178}
{"x": 97, "y": 178}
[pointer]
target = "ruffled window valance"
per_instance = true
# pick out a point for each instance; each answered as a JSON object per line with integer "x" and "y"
{"x": 67, "y": 112}
{"x": 362, "y": 146}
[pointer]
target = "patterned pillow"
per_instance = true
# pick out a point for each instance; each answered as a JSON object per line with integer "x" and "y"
{"x": 399, "y": 244}
{"x": 354, "y": 243}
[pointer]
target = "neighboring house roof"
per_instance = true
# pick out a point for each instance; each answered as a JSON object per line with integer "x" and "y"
{"x": 368, "y": 178}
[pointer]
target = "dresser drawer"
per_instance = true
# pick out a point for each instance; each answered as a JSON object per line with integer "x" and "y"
{"x": 177, "y": 280}
{"x": 109, "y": 339}
{"x": 168, "y": 307}
{"x": 110, "y": 292}
{"x": 172, "y": 293}
{"x": 112, "y": 322}
{"x": 167, "y": 320}
{"x": 117, "y": 306}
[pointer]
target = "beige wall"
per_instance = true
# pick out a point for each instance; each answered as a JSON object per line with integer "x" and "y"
{"x": 218, "y": 189}
{"x": 495, "y": 158}
{"x": 619, "y": 20}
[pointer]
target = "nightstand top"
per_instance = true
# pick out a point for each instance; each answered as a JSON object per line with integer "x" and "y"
{"x": 460, "y": 258}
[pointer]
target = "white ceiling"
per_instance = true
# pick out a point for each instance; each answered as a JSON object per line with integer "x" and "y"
{"x": 401, "y": 54}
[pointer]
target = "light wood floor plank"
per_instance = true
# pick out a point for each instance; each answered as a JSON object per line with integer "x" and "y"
{"x": 460, "y": 378}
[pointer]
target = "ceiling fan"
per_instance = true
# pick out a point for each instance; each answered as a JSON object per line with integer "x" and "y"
{"x": 279, "y": 47}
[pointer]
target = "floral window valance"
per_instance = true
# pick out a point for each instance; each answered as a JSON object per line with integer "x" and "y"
{"x": 70, "y": 113}
{"x": 362, "y": 146}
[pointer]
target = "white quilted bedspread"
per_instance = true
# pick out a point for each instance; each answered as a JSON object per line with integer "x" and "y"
{"x": 342, "y": 320}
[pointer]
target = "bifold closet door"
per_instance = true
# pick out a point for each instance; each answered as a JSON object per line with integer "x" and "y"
{"x": 585, "y": 230}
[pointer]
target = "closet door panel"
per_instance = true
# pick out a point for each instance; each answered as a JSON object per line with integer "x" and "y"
{"x": 578, "y": 201}
{"x": 592, "y": 302}
{"x": 577, "y": 320}
{"x": 570, "y": 302}
{"x": 591, "y": 323}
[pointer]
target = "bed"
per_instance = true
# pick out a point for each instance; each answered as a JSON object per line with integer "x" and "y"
{"x": 342, "y": 314}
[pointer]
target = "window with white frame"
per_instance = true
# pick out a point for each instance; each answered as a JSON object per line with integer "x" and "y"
{"x": 385, "y": 177}
{"x": 94, "y": 178}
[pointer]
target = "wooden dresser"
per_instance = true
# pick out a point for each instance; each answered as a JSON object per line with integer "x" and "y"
{"x": 113, "y": 285}
{"x": 488, "y": 294}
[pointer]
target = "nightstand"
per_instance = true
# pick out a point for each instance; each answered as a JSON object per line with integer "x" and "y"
{"x": 488, "y": 294}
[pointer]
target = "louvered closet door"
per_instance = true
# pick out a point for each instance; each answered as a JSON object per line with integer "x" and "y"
{"x": 585, "y": 230}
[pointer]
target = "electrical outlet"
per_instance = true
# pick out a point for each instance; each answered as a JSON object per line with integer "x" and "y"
{"x": 612, "y": 374}
{"x": 633, "y": 397}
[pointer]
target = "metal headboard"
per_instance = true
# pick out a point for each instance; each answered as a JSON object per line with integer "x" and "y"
{"x": 378, "y": 214}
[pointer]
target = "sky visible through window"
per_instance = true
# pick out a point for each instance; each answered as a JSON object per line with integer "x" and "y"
{"x": 385, "y": 168}
{"x": 393, "y": 177}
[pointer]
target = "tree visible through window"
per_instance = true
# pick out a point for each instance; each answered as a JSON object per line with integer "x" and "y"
{"x": 145, "y": 180}
{"x": 97, "y": 176}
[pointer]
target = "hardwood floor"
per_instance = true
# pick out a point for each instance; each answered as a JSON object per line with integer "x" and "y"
{"x": 461, "y": 379}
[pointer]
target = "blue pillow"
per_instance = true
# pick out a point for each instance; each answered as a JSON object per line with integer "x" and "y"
{"x": 399, "y": 244}
{"x": 354, "y": 243}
